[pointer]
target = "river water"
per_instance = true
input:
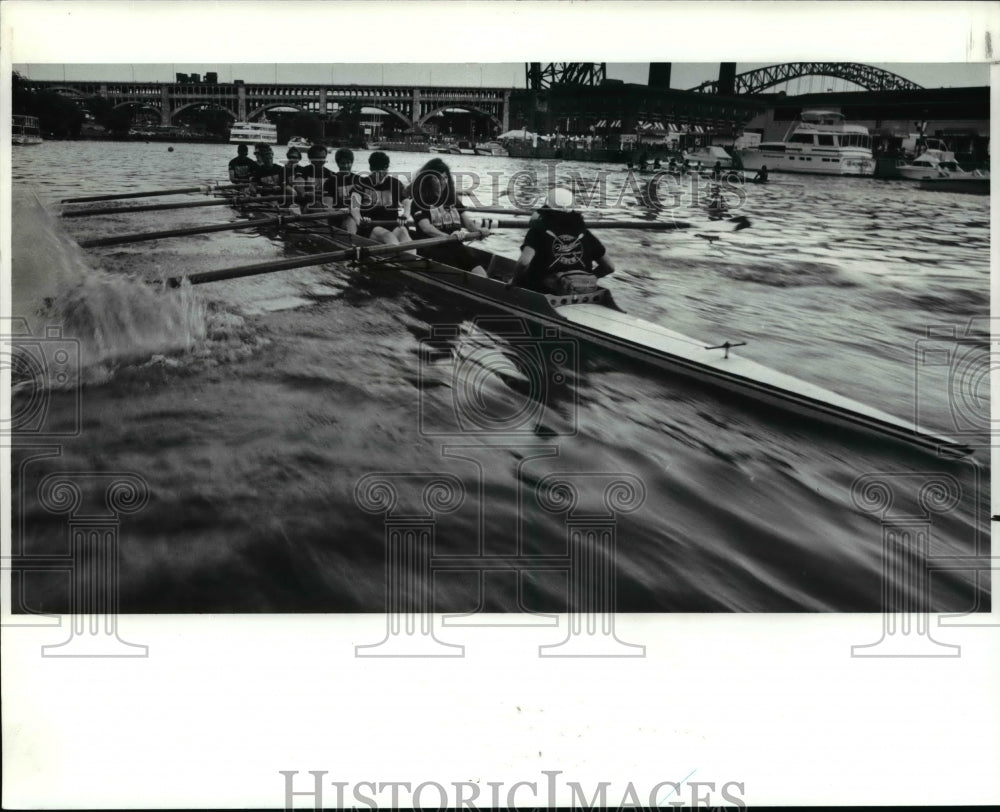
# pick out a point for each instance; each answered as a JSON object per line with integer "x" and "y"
{"x": 258, "y": 412}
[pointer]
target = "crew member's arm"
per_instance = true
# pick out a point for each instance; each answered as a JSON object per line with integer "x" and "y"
{"x": 604, "y": 267}
{"x": 469, "y": 225}
{"x": 355, "y": 206}
{"x": 522, "y": 265}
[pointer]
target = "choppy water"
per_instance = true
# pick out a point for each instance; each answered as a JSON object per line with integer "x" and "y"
{"x": 256, "y": 411}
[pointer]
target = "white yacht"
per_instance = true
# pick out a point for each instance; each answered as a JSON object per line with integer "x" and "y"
{"x": 24, "y": 131}
{"x": 254, "y": 132}
{"x": 820, "y": 142}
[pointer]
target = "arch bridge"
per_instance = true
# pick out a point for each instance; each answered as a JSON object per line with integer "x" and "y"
{"x": 412, "y": 105}
{"x": 758, "y": 80}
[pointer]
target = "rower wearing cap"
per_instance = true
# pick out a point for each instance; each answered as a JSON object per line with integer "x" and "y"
{"x": 242, "y": 167}
{"x": 379, "y": 196}
{"x": 314, "y": 178}
{"x": 559, "y": 254}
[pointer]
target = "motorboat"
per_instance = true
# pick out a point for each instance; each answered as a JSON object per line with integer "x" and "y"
{"x": 254, "y": 132}
{"x": 24, "y": 131}
{"x": 297, "y": 141}
{"x": 491, "y": 148}
{"x": 819, "y": 142}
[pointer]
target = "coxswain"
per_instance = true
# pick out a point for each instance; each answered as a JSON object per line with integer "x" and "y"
{"x": 313, "y": 179}
{"x": 379, "y": 196}
{"x": 437, "y": 212}
{"x": 761, "y": 176}
{"x": 242, "y": 167}
{"x": 559, "y": 254}
{"x": 339, "y": 187}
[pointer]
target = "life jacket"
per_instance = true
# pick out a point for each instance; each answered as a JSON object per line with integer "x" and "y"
{"x": 445, "y": 218}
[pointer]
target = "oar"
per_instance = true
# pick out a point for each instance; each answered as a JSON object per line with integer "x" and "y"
{"x": 204, "y": 189}
{"x": 144, "y": 236}
{"x": 163, "y": 206}
{"x": 631, "y": 225}
{"x": 358, "y": 252}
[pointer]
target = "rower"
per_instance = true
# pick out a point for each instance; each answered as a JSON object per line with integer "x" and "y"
{"x": 339, "y": 187}
{"x": 291, "y": 171}
{"x": 241, "y": 168}
{"x": 379, "y": 196}
{"x": 437, "y": 212}
{"x": 314, "y": 178}
{"x": 267, "y": 176}
{"x": 761, "y": 176}
{"x": 717, "y": 171}
{"x": 559, "y": 254}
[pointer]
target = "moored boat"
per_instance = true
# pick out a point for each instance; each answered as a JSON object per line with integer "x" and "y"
{"x": 820, "y": 142}
{"x": 298, "y": 142}
{"x": 254, "y": 132}
{"x": 25, "y": 131}
{"x": 491, "y": 148}
{"x": 969, "y": 184}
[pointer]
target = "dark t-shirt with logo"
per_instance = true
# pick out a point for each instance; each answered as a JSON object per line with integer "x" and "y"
{"x": 562, "y": 243}
{"x": 242, "y": 168}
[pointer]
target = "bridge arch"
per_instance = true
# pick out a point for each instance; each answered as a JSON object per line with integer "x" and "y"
{"x": 459, "y": 106}
{"x": 203, "y": 104}
{"x": 404, "y": 119}
{"x": 259, "y": 111}
{"x": 866, "y": 76}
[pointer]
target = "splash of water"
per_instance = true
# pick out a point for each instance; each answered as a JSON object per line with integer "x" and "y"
{"x": 111, "y": 319}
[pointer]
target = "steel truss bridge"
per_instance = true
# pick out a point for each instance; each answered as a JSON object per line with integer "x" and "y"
{"x": 412, "y": 106}
{"x": 758, "y": 80}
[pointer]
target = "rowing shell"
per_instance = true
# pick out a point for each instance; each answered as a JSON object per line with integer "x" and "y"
{"x": 595, "y": 317}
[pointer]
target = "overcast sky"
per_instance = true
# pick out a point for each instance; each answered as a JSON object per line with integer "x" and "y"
{"x": 485, "y": 42}
{"x": 683, "y": 75}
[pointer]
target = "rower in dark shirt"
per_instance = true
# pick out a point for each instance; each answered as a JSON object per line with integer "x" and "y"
{"x": 339, "y": 186}
{"x": 313, "y": 179}
{"x": 437, "y": 212}
{"x": 559, "y": 253}
{"x": 241, "y": 168}
{"x": 379, "y": 196}
{"x": 268, "y": 177}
